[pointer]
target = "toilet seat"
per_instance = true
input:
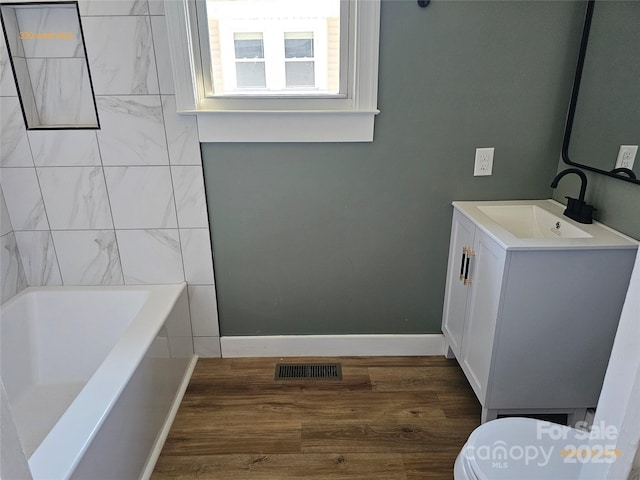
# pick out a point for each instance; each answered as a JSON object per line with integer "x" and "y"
{"x": 522, "y": 449}
{"x": 461, "y": 469}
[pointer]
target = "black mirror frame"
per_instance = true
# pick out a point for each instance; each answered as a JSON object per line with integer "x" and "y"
{"x": 574, "y": 101}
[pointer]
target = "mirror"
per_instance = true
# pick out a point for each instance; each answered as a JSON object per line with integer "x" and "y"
{"x": 46, "y": 49}
{"x": 604, "y": 113}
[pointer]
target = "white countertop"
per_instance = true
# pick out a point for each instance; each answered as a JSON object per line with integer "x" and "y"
{"x": 601, "y": 235}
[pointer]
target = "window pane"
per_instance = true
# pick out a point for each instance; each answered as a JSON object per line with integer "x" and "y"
{"x": 298, "y": 45}
{"x": 275, "y": 32}
{"x": 300, "y": 74}
{"x": 248, "y": 45}
{"x": 250, "y": 75}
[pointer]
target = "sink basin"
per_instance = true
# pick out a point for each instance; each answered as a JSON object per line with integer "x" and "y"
{"x": 539, "y": 225}
{"x": 532, "y": 221}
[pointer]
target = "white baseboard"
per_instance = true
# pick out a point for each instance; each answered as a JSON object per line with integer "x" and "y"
{"x": 333, "y": 345}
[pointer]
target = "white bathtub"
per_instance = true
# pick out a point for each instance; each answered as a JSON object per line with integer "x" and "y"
{"x": 93, "y": 376}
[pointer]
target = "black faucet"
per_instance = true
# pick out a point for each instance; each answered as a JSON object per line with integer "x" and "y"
{"x": 576, "y": 208}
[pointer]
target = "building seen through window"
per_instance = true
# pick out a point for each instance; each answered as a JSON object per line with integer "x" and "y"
{"x": 274, "y": 47}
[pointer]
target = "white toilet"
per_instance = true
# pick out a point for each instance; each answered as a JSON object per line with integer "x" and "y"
{"x": 522, "y": 449}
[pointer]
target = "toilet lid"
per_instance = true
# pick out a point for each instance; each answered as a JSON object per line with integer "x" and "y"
{"x": 524, "y": 449}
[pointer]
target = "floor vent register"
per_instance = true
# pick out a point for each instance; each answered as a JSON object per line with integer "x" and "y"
{"x": 308, "y": 371}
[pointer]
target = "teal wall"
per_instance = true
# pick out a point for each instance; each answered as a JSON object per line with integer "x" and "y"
{"x": 353, "y": 238}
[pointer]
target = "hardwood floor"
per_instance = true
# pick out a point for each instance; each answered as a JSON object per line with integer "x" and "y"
{"x": 389, "y": 418}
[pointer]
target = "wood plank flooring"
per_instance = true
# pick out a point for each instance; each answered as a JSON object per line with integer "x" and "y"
{"x": 389, "y": 418}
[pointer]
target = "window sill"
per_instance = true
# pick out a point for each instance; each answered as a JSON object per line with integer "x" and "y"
{"x": 348, "y": 119}
{"x": 286, "y": 126}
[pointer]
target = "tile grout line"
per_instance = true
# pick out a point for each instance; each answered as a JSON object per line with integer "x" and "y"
{"x": 44, "y": 206}
{"x": 106, "y": 187}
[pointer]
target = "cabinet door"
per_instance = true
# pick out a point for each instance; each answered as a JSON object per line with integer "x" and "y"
{"x": 486, "y": 274}
{"x": 455, "y": 302}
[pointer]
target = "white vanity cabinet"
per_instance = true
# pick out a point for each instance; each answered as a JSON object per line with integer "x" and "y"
{"x": 532, "y": 323}
{"x": 474, "y": 283}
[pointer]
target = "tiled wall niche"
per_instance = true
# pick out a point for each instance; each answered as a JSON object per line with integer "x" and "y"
{"x": 122, "y": 205}
{"x": 46, "y": 47}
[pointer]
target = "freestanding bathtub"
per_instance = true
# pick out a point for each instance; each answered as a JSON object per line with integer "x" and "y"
{"x": 93, "y": 376}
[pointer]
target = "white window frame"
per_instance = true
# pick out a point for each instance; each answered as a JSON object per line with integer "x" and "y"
{"x": 344, "y": 118}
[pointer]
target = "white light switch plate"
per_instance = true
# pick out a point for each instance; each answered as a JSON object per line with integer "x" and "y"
{"x": 484, "y": 162}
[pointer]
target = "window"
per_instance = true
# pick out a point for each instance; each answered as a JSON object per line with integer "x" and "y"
{"x": 249, "y": 61}
{"x": 259, "y": 48}
{"x": 276, "y": 70}
{"x": 299, "y": 63}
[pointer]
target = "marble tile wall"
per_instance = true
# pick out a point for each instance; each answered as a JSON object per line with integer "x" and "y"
{"x": 12, "y": 274}
{"x": 122, "y": 205}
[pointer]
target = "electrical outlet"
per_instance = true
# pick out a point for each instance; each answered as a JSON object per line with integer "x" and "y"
{"x": 484, "y": 162}
{"x": 626, "y": 156}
